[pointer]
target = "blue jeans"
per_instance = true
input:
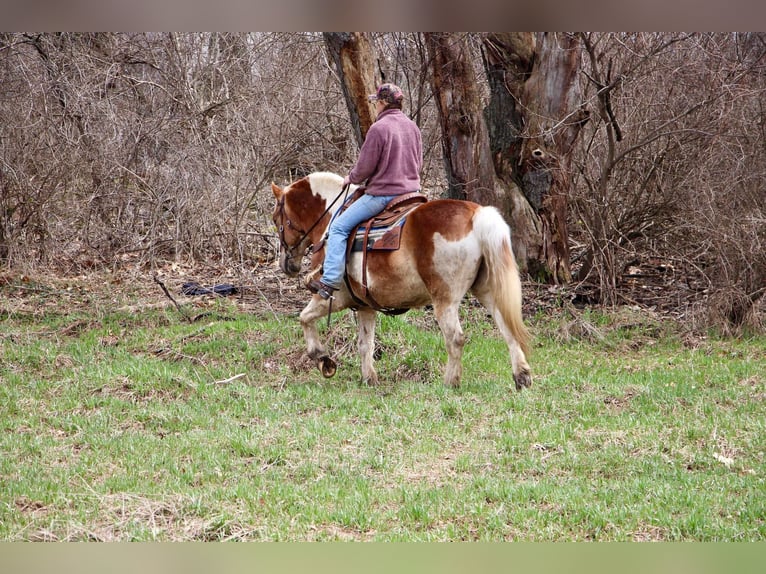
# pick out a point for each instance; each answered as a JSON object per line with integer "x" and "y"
{"x": 341, "y": 226}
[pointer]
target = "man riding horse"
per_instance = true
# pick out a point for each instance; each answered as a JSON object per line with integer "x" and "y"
{"x": 446, "y": 249}
{"x": 390, "y": 162}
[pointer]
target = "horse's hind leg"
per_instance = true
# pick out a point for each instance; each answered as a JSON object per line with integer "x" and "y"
{"x": 521, "y": 370}
{"x": 366, "y": 345}
{"x": 315, "y": 310}
{"x": 449, "y": 323}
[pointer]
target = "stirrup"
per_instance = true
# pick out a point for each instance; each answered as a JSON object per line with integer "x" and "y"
{"x": 324, "y": 291}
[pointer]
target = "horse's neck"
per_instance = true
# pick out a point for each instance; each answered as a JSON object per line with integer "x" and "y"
{"x": 335, "y": 198}
{"x": 329, "y": 187}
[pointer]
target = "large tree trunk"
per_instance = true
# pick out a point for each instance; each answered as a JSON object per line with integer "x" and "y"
{"x": 508, "y": 61}
{"x": 534, "y": 119}
{"x": 351, "y": 53}
{"x": 514, "y": 155}
{"x": 465, "y": 141}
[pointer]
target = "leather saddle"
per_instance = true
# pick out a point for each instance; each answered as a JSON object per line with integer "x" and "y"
{"x": 381, "y": 233}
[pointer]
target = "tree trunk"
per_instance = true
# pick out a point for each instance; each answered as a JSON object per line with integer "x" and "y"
{"x": 465, "y": 141}
{"x": 514, "y": 155}
{"x": 351, "y": 53}
{"x": 508, "y": 61}
{"x": 534, "y": 119}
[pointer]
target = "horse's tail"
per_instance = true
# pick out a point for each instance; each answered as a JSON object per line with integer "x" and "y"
{"x": 503, "y": 274}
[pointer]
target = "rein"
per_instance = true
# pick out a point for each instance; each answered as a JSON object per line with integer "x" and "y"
{"x": 283, "y": 213}
{"x": 289, "y": 250}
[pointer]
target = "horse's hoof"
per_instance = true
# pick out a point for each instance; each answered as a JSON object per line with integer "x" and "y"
{"x": 370, "y": 381}
{"x": 327, "y": 366}
{"x": 453, "y": 383}
{"x": 522, "y": 380}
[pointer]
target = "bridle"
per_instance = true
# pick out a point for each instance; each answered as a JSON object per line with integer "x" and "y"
{"x": 286, "y": 221}
{"x": 289, "y": 251}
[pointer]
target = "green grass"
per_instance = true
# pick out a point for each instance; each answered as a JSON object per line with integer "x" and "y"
{"x": 133, "y": 425}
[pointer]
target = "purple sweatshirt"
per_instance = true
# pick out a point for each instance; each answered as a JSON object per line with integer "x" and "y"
{"x": 391, "y": 156}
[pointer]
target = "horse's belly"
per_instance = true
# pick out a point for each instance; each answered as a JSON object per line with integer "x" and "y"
{"x": 406, "y": 278}
{"x": 392, "y": 279}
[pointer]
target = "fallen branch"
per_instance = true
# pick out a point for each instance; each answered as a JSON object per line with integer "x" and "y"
{"x": 169, "y": 296}
{"x": 230, "y": 379}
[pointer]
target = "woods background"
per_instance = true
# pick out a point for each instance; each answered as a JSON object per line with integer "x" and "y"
{"x": 631, "y": 166}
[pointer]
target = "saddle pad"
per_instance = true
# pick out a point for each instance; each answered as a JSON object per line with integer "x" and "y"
{"x": 384, "y": 238}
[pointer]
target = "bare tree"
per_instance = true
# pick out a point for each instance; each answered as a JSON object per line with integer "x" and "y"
{"x": 535, "y": 115}
{"x": 640, "y": 146}
{"x": 668, "y": 169}
{"x": 139, "y": 147}
{"x": 465, "y": 140}
{"x": 135, "y": 149}
{"x": 351, "y": 52}
{"x": 514, "y": 154}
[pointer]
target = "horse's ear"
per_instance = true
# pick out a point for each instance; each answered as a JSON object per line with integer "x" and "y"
{"x": 276, "y": 190}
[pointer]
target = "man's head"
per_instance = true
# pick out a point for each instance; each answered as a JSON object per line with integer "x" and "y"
{"x": 389, "y": 95}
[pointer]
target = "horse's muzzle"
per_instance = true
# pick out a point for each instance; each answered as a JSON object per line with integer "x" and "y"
{"x": 289, "y": 265}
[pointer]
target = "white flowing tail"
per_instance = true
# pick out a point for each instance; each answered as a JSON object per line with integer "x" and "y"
{"x": 505, "y": 285}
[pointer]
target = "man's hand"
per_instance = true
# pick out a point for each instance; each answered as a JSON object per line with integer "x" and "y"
{"x": 346, "y": 181}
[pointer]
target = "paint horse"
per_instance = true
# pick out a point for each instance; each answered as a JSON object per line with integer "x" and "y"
{"x": 447, "y": 247}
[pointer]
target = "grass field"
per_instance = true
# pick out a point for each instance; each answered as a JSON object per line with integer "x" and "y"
{"x": 129, "y": 423}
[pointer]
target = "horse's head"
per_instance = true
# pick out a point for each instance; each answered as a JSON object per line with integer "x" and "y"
{"x": 300, "y": 217}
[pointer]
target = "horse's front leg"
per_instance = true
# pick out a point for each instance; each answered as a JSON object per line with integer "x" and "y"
{"x": 315, "y": 310}
{"x": 366, "y": 345}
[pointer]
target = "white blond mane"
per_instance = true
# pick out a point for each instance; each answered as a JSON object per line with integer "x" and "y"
{"x": 328, "y": 185}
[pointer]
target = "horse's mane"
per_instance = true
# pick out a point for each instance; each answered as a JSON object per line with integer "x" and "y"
{"x": 329, "y": 186}
{"x": 325, "y": 183}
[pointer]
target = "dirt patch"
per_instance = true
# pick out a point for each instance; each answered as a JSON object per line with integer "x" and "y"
{"x": 265, "y": 290}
